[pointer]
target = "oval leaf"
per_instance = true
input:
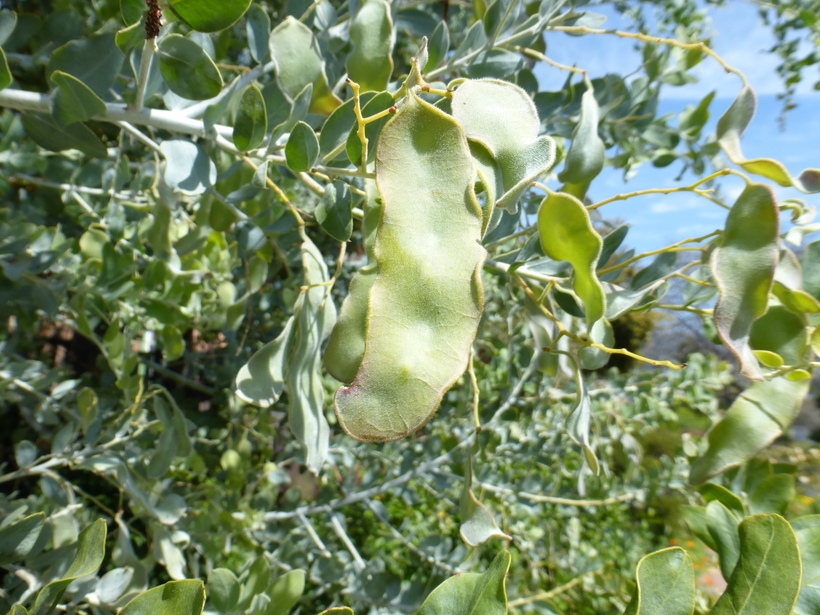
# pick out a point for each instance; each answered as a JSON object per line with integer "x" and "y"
{"x": 185, "y": 597}
{"x": 666, "y": 584}
{"x": 302, "y": 148}
{"x": 188, "y": 169}
{"x": 47, "y": 133}
{"x": 567, "y": 235}
{"x": 251, "y": 120}
{"x": 472, "y": 593}
{"x": 223, "y": 589}
{"x": 74, "y": 101}
{"x": 299, "y": 63}
{"x": 187, "y": 69}
{"x": 96, "y": 61}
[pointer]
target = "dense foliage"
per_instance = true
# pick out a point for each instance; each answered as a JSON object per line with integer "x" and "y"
{"x": 231, "y": 249}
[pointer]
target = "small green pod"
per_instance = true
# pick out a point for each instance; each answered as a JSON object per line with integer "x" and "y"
{"x": 567, "y": 235}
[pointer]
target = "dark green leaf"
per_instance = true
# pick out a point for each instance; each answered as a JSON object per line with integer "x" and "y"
{"x": 5, "y": 73}
{"x": 302, "y": 148}
{"x": 47, "y": 133}
{"x": 209, "y": 16}
{"x": 334, "y": 212}
{"x": 251, "y": 122}
{"x": 472, "y": 593}
{"x": 187, "y": 69}
{"x": 173, "y": 598}
{"x": 767, "y": 576}
{"x": 17, "y": 539}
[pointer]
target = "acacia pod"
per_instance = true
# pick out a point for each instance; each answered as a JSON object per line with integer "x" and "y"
{"x": 426, "y": 299}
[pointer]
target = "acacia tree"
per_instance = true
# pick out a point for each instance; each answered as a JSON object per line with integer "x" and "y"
{"x": 238, "y": 237}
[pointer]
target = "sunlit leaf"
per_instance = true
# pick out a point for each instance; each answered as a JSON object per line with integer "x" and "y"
{"x": 89, "y": 556}
{"x": 472, "y": 593}
{"x": 208, "y": 16}
{"x": 502, "y": 117}
{"x": 186, "y": 597}
{"x": 762, "y": 413}
{"x": 665, "y": 584}
{"x": 743, "y": 267}
{"x": 585, "y": 158}
{"x": 767, "y": 576}
{"x": 567, "y": 235}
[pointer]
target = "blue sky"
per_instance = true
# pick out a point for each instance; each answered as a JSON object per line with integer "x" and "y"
{"x": 741, "y": 39}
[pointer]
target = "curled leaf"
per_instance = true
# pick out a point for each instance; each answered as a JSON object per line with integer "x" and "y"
{"x": 262, "y": 379}
{"x": 729, "y": 130}
{"x": 315, "y": 315}
{"x": 743, "y": 266}
{"x": 477, "y": 522}
{"x": 502, "y": 118}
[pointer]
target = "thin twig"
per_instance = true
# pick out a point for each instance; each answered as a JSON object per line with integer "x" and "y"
{"x": 553, "y": 592}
